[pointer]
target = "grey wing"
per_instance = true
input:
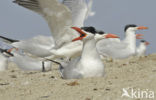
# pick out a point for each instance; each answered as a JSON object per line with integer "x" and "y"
{"x": 80, "y": 11}
{"x": 111, "y": 47}
{"x": 70, "y": 71}
{"x": 57, "y": 15}
{"x": 90, "y": 12}
{"x": 29, "y": 4}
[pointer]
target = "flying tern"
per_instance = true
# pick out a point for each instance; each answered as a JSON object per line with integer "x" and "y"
{"x": 60, "y": 18}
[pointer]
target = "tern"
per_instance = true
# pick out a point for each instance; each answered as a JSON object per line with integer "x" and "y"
{"x": 89, "y": 64}
{"x": 141, "y": 49}
{"x": 25, "y": 62}
{"x": 3, "y": 62}
{"x": 4, "y": 59}
{"x": 60, "y": 18}
{"x": 38, "y": 46}
{"x": 121, "y": 49}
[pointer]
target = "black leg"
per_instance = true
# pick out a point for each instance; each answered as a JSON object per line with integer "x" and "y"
{"x": 43, "y": 67}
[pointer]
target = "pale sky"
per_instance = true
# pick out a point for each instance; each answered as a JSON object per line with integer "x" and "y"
{"x": 111, "y": 16}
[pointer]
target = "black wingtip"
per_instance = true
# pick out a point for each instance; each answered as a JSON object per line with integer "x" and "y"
{"x": 6, "y": 52}
{"x": 8, "y": 39}
{"x": 15, "y": 1}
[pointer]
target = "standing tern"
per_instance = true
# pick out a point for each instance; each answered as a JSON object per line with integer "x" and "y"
{"x": 27, "y": 63}
{"x": 89, "y": 64}
{"x": 141, "y": 49}
{"x": 121, "y": 49}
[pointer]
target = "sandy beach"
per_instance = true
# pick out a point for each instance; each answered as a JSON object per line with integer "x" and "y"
{"x": 138, "y": 74}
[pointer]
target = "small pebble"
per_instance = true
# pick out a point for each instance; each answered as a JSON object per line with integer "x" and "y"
{"x": 44, "y": 97}
{"x": 4, "y": 83}
{"x": 88, "y": 99}
{"x": 107, "y": 89}
{"x": 73, "y": 83}
{"x": 13, "y": 76}
{"x": 52, "y": 77}
{"x": 95, "y": 89}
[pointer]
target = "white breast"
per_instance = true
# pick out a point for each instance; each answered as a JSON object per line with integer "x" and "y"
{"x": 3, "y": 63}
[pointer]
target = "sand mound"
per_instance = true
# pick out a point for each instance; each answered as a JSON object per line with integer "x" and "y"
{"x": 139, "y": 74}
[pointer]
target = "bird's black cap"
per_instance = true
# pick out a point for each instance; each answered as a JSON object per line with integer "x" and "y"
{"x": 143, "y": 41}
{"x": 128, "y": 26}
{"x": 89, "y": 29}
{"x": 92, "y": 30}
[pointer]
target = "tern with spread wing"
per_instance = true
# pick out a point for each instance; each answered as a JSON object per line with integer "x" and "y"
{"x": 60, "y": 18}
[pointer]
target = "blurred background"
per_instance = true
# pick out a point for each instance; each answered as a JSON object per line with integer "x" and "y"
{"x": 111, "y": 16}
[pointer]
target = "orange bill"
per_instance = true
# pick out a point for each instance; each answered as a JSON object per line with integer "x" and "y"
{"x": 138, "y": 36}
{"x": 111, "y": 36}
{"x": 147, "y": 43}
{"x": 142, "y": 28}
{"x": 82, "y": 34}
{"x": 78, "y": 38}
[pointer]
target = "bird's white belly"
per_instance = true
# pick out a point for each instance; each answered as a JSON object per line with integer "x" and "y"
{"x": 92, "y": 69}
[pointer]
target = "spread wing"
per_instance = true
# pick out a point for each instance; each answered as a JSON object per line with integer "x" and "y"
{"x": 56, "y": 14}
{"x": 90, "y": 12}
{"x": 80, "y": 11}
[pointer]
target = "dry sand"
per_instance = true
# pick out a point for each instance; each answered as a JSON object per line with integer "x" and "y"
{"x": 137, "y": 73}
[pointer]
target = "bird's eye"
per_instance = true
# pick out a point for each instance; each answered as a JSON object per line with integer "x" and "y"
{"x": 83, "y": 35}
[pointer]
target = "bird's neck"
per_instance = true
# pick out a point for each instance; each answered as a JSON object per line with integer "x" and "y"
{"x": 89, "y": 50}
{"x": 130, "y": 39}
{"x": 142, "y": 47}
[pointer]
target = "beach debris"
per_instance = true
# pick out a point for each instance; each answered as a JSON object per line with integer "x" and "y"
{"x": 88, "y": 99}
{"x": 44, "y": 96}
{"x": 52, "y": 77}
{"x": 73, "y": 83}
{"x": 107, "y": 89}
{"x": 12, "y": 71}
{"x": 4, "y": 83}
{"x": 13, "y": 76}
{"x": 95, "y": 89}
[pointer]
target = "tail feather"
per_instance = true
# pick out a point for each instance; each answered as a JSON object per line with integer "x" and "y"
{"x": 8, "y": 40}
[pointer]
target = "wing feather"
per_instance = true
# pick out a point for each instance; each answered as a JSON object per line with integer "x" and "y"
{"x": 57, "y": 15}
{"x": 80, "y": 11}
